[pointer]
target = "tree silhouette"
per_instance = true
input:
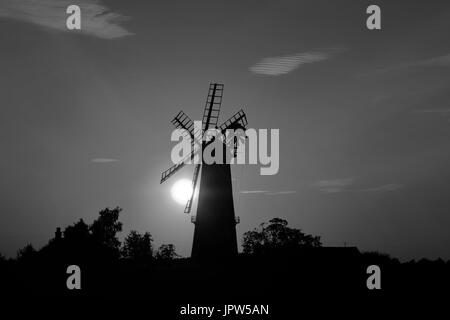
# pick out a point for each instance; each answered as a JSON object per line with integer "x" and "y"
{"x": 104, "y": 230}
{"x": 137, "y": 246}
{"x": 276, "y": 235}
{"x": 166, "y": 252}
{"x": 79, "y": 232}
{"x": 77, "y": 242}
{"x": 26, "y": 253}
{"x": 379, "y": 257}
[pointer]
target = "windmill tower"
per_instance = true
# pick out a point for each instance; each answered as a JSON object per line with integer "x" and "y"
{"x": 215, "y": 222}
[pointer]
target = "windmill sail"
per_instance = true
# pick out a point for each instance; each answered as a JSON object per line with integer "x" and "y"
{"x": 212, "y": 107}
{"x": 188, "y": 207}
{"x": 238, "y": 120}
{"x": 173, "y": 169}
{"x": 182, "y": 121}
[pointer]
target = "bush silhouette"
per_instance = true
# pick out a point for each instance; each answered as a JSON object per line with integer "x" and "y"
{"x": 77, "y": 233}
{"x": 26, "y": 254}
{"x": 104, "y": 230}
{"x": 137, "y": 246}
{"x": 275, "y": 236}
{"x": 166, "y": 252}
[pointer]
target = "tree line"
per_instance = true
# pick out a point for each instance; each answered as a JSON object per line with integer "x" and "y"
{"x": 100, "y": 240}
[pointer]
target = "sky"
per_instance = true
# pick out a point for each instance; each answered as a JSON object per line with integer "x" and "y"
{"x": 364, "y": 116}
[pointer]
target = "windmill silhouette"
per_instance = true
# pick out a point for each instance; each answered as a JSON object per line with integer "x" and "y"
{"x": 215, "y": 222}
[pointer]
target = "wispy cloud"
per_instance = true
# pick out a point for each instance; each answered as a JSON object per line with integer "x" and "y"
{"x": 335, "y": 185}
{"x": 275, "y": 66}
{"x": 268, "y": 193}
{"x": 277, "y": 193}
{"x": 438, "y": 61}
{"x": 96, "y": 19}
{"x": 253, "y": 191}
{"x": 442, "y": 112}
{"x": 348, "y": 185}
{"x": 384, "y": 188}
{"x": 103, "y": 160}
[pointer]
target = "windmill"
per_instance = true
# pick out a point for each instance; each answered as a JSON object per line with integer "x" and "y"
{"x": 215, "y": 222}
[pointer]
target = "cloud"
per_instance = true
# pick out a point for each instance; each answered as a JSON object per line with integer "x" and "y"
{"x": 439, "y": 61}
{"x": 341, "y": 185}
{"x": 333, "y": 186}
{"x": 268, "y": 193}
{"x": 103, "y": 160}
{"x": 384, "y": 188}
{"x": 275, "y": 66}
{"x": 276, "y": 193}
{"x": 442, "y": 112}
{"x": 96, "y": 19}
{"x": 253, "y": 191}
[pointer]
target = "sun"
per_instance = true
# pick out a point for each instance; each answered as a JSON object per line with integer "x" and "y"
{"x": 182, "y": 191}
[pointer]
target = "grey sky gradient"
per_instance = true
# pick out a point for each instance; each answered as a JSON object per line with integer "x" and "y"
{"x": 364, "y": 154}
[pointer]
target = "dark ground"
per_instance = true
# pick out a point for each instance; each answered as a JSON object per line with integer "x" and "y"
{"x": 285, "y": 281}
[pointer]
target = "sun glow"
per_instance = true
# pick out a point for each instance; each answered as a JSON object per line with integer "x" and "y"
{"x": 181, "y": 191}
